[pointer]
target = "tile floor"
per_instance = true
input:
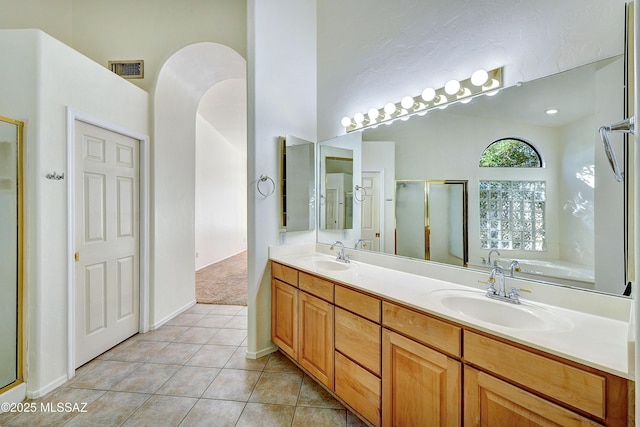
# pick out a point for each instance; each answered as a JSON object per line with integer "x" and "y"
{"x": 192, "y": 371}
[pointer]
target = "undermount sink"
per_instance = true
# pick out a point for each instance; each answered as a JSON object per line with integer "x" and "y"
{"x": 477, "y": 306}
{"x": 322, "y": 263}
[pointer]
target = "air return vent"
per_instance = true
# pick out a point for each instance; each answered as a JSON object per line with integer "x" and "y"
{"x": 128, "y": 69}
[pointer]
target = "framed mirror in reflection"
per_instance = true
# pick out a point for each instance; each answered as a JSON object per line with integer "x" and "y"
{"x": 298, "y": 184}
{"x": 563, "y": 219}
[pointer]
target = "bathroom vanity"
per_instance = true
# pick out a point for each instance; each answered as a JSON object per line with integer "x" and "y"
{"x": 406, "y": 349}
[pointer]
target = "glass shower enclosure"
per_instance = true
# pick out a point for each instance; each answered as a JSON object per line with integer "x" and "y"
{"x": 431, "y": 220}
{"x": 11, "y": 230}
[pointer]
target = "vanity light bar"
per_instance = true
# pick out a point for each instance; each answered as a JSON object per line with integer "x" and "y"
{"x": 481, "y": 82}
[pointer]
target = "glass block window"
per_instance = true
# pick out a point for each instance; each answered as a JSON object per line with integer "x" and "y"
{"x": 512, "y": 215}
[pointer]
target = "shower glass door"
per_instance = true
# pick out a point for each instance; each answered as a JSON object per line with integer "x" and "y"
{"x": 10, "y": 252}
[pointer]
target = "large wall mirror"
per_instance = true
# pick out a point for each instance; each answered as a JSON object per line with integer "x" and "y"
{"x": 10, "y": 252}
{"x": 562, "y": 219}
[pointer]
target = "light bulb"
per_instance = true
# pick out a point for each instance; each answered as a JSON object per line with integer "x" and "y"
{"x": 452, "y": 87}
{"x": 492, "y": 93}
{"x": 390, "y": 108}
{"x": 479, "y": 78}
{"x": 373, "y": 113}
{"x": 346, "y": 122}
{"x": 428, "y": 94}
{"x": 359, "y": 118}
{"x": 407, "y": 102}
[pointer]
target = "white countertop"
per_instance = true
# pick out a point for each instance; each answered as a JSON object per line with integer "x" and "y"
{"x": 593, "y": 340}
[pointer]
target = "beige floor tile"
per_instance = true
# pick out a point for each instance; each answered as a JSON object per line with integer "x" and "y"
{"x": 237, "y": 322}
{"x": 319, "y": 417}
{"x": 196, "y": 335}
{"x": 212, "y": 356}
{"x": 278, "y": 362}
{"x": 354, "y": 421}
{"x": 176, "y": 353}
{"x": 185, "y": 319}
{"x": 107, "y": 354}
{"x": 228, "y": 310}
{"x": 239, "y": 361}
{"x": 148, "y": 378}
{"x": 229, "y": 337}
{"x": 243, "y": 312}
{"x": 219, "y": 413}
{"x": 189, "y": 381}
{"x": 313, "y": 394}
{"x": 110, "y": 409}
{"x": 164, "y": 333}
{"x": 264, "y": 415}
{"x": 233, "y": 384}
{"x": 214, "y": 321}
{"x": 280, "y": 388}
{"x": 105, "y": 375}
{"x": 139, "y": 351}
{"x": 161, "y": 411}
{"x": 200, "y": 309}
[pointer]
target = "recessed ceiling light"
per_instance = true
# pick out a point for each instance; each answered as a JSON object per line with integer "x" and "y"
{"x": 551, "y": 111}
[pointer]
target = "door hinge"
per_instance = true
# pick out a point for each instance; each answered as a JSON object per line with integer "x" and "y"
{"x": 77, "y": 256}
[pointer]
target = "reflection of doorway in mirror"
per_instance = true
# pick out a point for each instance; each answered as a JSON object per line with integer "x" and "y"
{"x": 331, "y": 206}
{"x": 371, "y": 230}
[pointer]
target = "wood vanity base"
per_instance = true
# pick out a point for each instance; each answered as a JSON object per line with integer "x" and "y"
{"x": 393, "y": 365}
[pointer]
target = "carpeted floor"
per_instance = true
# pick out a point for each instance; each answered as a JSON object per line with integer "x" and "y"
{"x": 224, "y": 282}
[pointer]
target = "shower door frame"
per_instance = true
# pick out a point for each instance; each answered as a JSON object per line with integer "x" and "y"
{"x": 19, "y": 251}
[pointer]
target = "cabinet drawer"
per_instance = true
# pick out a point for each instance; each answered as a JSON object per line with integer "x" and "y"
{"x": 316, "y": 286}
{"x": 359, "y": 388}
{"x": 423, "y": 328}
{"x": 285, "y": 274}
{"x": 359, "y": 339}
{"x": 578, "y": 388}
{"x": 361, "y": 304}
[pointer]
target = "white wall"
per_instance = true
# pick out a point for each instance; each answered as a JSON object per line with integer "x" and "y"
{"x": 45, "y": 78}
{"x": 374, "y": 52}
{"x": 220, "y": 198}
{"x": 282, "y": 100}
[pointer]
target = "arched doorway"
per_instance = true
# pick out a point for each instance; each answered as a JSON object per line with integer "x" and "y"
{"x": 183, "y": 81}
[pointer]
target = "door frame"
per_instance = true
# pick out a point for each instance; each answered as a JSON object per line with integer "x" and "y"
{"x": 144, "y": 216}
{"x": 381, "y": 203}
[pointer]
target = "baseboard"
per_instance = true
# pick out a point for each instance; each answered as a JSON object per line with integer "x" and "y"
{"x": 258, "y": 354}
{"x": 220, "y": 260}
{"x": 14, "y": 395}
{"x": 46, "y": 389}
{"x": 172, "y": 315}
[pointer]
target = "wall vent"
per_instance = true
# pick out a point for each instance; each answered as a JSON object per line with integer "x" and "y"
{"x": 128, "y": 69}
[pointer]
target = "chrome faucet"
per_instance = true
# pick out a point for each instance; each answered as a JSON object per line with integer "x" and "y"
{"x": 489, "y": 258}
{"x": 514, "y": 267}
{"x": 497, "y": 274}
{"x": 340, "y": 256}
{"x": 362, "y": 243}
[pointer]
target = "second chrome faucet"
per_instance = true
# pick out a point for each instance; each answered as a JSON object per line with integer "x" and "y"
{"x": 340, "y": 256}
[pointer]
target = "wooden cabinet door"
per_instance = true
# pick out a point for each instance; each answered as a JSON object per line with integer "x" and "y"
{"x": 316, "y": 338}
{"x": 284, "y": 317}
{"x": 420, "y": 386}
{"x": 489, "y": 401}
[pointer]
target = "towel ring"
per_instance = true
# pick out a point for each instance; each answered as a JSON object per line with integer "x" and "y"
{"x": 264, "y": 178}
{"x": 363, "y": 194}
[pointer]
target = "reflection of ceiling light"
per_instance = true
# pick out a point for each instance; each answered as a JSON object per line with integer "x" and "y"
{"x": 481, "y": 83}
{"x": 551, "y": 111}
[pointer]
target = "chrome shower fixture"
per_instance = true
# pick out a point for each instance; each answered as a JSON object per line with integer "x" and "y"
{"x": 624, "y": 126}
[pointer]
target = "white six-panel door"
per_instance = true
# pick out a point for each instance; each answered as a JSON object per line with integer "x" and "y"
{"x": 106, "y": 240}
{"x": 370, "y": 229}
